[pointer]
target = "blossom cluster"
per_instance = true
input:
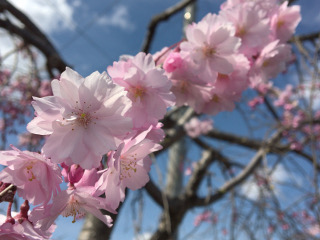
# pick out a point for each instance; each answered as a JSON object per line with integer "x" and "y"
{"x": 99, "y": 130}
{"x": 243, "y": 46}
{"x": 98, "y": 135}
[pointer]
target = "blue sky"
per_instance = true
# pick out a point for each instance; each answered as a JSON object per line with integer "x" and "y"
{"x": 90, "y": 35}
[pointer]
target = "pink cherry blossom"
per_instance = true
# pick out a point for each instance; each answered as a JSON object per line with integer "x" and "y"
{"x": 36, "y": 178}
{"x": 19, "y": 230}
{"x": 71, "y": 202}
{"x": 127, "y": 167}
{"x": 251, "y": 27}
{"x": 135, "y": 162}
{"x": 160, "y": 56}
{"x": 285, "y": 98}
{"x": 314, "y": 230}
{"x": 284, "y": 21}
{"x": 206, "y": 216}
{"x": 210, "y": 45}
{"x": 85, "y": 118}
{"x": 172, "y": 62}
{"x": 73, "y": 173}
{"x": 255, "y": 102}
{"x": 272, "y": 60}
{"x": 33, "y": 233}
{"x": 147, "y": 86}
{"x": 188, "y": 89}
{"x": 109, "y": 182}
{"x": 188, "y": 171}
{"x": 89, "y": 178}
{"x": 228, "y": 89}
{"x": 264, "y": 7}
{"x": 195, "y": 127}
{"x": 10, "y": 231}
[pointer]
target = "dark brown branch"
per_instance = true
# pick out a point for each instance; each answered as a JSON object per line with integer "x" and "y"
{"x": 306, "y": 37}
{"x": 154, "y": 192}
{"x": 218, "y": 156}
{"x": 28, "y": 24}
{"x": 199, "y": 172}
{"x": 32, "y": 35}
{"x": 177, "y": 132}
{"x": 256, "y": 144}
{"x": 159, "y": 18}
{"x": 290, "y": 2}
{"x": 243, "y": 175}
{"x": 271, "y": 109}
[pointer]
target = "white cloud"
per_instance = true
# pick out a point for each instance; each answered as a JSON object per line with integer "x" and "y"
{"x": 10, "y": 57}
{"x": 143, "y": 236}
{"x": 314, "y": 93}
{"x": 49, "y": 15}
{"x": 253, "y": 188}
{"x": 119, "y": 18}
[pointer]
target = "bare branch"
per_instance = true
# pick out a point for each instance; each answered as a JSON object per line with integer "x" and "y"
{"x": 154, "y": 192}
{"x": 307, "y": 37}
{"x": 31, "y": 34}
{"x": 199, "y": 172}
{"x": 256, "y": 144}
{"x": 242, "y": 175}
{"x": 159, "y": 18}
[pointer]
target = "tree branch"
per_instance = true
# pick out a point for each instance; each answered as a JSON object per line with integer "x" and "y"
{"x": 306, "y": 37}
{"x": 242, "y": 175}
{"x": 159, "y": 18}
{"x": 155, "y": 193}
{"x": 199, "y": 172}
{"x": 32, "y": 35}
{"x": 256, "y": 144}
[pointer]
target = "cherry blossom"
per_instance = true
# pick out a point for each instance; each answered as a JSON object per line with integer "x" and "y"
{"x": 71, "y": 202}
{"x": 101, "y": 130}
{"x": 271, "y": 61}
{"x": 284, "y": 21}
{"x": 36, "y": 178}
{"x": 128, "y": 167}
{"x": 84, "y": 119}
{"x": 210, "y": 45}
{"x": 250, "y": 26}
{"x": 195, "y": 127}
{"x": 148, "y": 88}
{"x": 206, "y": 216}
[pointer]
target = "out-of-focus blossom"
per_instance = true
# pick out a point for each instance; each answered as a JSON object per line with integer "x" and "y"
{"x": 36, "y": 178}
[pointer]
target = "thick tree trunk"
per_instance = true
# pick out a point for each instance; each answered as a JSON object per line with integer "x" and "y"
{"x": 93, "y": 228}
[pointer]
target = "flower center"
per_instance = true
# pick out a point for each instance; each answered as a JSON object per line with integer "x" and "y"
{"x": 215, "y": 98}
{"x": 80, "y": 116}
{"x": 241, "y": 31}
{"x": 280, "y": 23}
{"x": 138, "y": 92}
{"x": 266, "y": 63}
{"x": 83, "y": 119}
{"x": 29, "y": 173}
{"x": 222, "y": 76}
{"x": 208, "y": 51}
{"x": 74, "y": 209}
{"x": 128, "y": 167}
{"x": 183, "y": 86}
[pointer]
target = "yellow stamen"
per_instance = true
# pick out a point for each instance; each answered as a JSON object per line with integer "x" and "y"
{"x": 215, "y": 98}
